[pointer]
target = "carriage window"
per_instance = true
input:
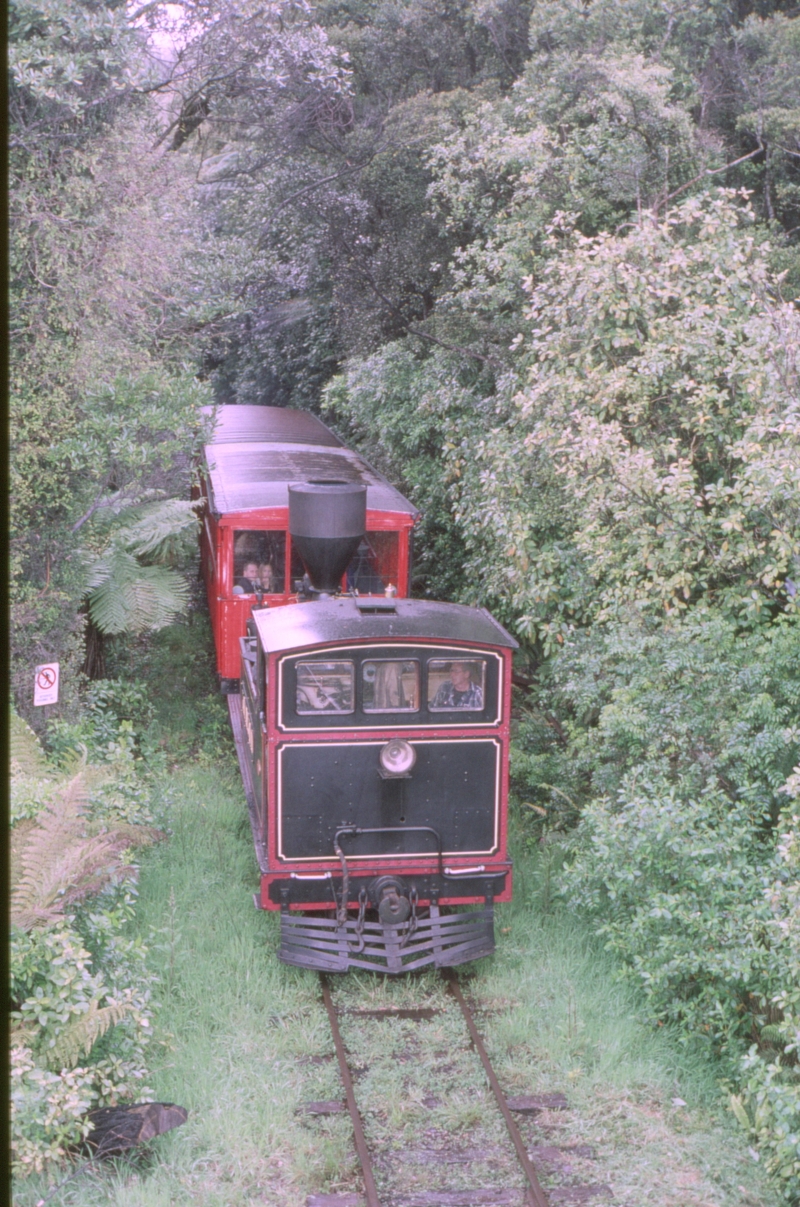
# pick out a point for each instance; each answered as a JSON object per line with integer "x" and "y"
{"x": 297, "y": 568}
{"x": 390, "y": 685}
{"x": 259, "y": 562}
{"x": 457, "y": 684}
{"x": 376, "y": 564}
{"x": 324, "y": 687}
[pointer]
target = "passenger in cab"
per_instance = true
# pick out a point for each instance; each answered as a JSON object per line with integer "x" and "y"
{"x": 265, "y": 577}
{"x": 249, "y": 582}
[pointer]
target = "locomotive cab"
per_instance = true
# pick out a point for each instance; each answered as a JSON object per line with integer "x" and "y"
{"x": 374, "y": 745}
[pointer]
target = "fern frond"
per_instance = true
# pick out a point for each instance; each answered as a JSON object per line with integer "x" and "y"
{"x": 124, "y": 502}
{"x": 52, "y": 854}
{"x": 57, "y": 862}
{"x": 48, "y": 885}
{"x": 79, "y": 1037}
{"x": 113, "y": 562}
{"x": 27, "y": 756}
{"x": 18, "y": 839}
{"x": 125, "y": 596}
{"x": 127, "y": 834}
{"x": 157, "y": 525}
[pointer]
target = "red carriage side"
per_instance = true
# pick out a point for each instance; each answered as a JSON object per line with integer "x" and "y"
{"x": 255, "y": 453}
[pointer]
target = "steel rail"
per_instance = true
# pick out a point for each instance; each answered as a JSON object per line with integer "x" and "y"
{"x": 535, "y": 1194}
{"x": 347, "y": 1080}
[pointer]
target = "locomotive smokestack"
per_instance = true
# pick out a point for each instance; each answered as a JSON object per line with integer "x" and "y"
{"x": 327, "y": 520}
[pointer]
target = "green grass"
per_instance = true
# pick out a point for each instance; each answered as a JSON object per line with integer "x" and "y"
{"x": 560, "y": 1020}
{"x": 244, "y": 1040}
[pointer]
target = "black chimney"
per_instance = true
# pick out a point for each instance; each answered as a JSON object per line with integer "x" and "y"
{"x": 327, "y": 520}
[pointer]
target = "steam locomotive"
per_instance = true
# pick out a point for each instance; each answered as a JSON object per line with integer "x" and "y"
{"x": 372, "y": 730}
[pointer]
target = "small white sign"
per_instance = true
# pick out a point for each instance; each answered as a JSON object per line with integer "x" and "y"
{"x": 45, "y": 684}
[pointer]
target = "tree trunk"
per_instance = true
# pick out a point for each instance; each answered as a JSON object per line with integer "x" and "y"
{"x": 94, "y": 664}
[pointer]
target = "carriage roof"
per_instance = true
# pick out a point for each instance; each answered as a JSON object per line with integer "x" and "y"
{"x": 298, "y": 626}
{"x": 239, "y": 423}
{"x": 255, "y": 456}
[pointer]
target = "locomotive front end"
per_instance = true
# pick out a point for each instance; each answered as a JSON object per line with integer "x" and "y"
{"x": 378, "y": 736}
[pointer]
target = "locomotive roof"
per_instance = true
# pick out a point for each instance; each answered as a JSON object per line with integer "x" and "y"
{"x": 234, "y": 424}
{"x": 297, "y": 626}
{"x": 257, "y": 452}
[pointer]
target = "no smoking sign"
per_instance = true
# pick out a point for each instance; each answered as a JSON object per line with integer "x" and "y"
{"x": 45, "y": 684}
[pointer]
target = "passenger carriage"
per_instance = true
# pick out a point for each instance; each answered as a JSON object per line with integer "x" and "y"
{"x": 254, "y": 454}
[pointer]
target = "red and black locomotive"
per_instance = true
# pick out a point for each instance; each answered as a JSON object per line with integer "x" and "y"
{"x": 372, "y": 729}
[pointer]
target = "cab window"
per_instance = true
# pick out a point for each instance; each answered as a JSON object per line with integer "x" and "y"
{"x": 375, "y": 565}
{"x": 324, "y": 687}
{"x": 259, "y": 563}
{"x": 458, "y": 684}
{"x": 390, "y": 685}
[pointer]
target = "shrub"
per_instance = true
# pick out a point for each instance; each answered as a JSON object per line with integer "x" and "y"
{"x": 80, "y": 987}
{"x": 769, "y": 1104}
{"x": 702, "y": 908}
{"x": 79, "y": 1033}
{"x": 677, "y": 890}
{"x": 47, "y": 1111}
{"x": 696, "y": 703}
{"x": 113, "y": 723}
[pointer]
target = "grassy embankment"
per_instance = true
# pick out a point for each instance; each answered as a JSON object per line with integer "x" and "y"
{"x": 240, "y": 1031}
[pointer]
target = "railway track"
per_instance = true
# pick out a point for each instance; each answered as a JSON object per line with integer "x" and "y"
{"x": 389, "y": 1167}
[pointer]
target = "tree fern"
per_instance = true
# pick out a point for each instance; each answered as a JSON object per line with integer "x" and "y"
{"x": 124, "y": 502}
{"x": 126, "y": 596}
{"x": 152, "y": 531}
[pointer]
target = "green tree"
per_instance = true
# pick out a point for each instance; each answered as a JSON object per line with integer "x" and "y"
{"x": 661, "y": 397}
{"x": 103, "y": 396}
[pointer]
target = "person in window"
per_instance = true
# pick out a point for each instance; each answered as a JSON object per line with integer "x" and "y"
{"x": 312, "y": 698}
{"x": 265, "y": 577}
{"x": 249, "y": 583}
{"x": 459, "y": 691}
{"x": 362, "y": 573}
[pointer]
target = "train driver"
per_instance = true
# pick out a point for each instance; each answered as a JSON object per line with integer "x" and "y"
{"x": 459, "y": 691}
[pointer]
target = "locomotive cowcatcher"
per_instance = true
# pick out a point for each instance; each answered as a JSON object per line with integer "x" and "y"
{"x": 372, "y": 733}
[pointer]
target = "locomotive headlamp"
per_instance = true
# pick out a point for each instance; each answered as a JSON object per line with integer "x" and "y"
{"x": 397, "y": 758}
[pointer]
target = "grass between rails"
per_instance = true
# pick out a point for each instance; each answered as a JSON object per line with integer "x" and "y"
{"x": 245, "y": 1039}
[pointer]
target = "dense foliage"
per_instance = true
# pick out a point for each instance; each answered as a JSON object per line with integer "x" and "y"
{"x": 702, "y": 912}
{"x": 541, "y": 262}
{"x": 103, "y": 395}
{"x": 79, "y": 983}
